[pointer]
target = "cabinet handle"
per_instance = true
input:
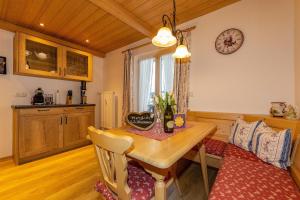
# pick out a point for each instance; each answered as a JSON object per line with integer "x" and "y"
{"x": 79, "y": 108}
{"x": 61, "y": 120}
{"x": 66, "y": 118}
{"x": 43, "y": 110}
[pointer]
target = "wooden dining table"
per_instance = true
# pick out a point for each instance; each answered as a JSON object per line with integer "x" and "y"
{"x": 158, "y": 157}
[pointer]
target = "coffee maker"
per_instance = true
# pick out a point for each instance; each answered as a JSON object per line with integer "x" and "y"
{"x": 83, "y": 99}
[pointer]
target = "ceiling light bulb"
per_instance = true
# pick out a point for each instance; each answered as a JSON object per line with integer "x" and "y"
{"x": 181, "y": 52}
{"x": 42, "y": 24}
{"x": 164, "y": 38}
{"x": 87, "y": 41}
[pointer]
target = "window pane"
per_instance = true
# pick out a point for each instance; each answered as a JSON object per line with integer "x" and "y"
{"x": 166, "y": 73}
{"x": 146, "y": 84}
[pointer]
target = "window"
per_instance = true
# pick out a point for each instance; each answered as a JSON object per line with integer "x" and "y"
{"x": 156, "y": 76}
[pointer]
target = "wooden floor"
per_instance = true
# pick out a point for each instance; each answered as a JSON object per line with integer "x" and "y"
{"x": 72, "y": 175}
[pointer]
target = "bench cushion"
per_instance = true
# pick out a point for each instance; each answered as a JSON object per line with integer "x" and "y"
{"x": 232, "y": 150}
{"x": 247, "y": 180}
{"x": 214, "y": 147}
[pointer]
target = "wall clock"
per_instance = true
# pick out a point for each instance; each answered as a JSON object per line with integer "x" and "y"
{"x": 229, "y": 41}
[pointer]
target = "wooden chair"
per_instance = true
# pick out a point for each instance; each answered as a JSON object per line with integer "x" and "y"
{"x": 116, "y": 172}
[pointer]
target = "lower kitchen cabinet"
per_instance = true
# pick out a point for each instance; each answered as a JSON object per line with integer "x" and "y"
{"x": 75, "y": 128}
{"x": 40, "y": 132}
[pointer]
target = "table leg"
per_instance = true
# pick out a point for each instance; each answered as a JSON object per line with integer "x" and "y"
{"x": 174, "y": 175}
{"x": 160, "y": 187}
{"x": 202, "y": 156}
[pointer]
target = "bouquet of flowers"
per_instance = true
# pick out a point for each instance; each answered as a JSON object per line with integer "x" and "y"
{"x": 161, "y": 102}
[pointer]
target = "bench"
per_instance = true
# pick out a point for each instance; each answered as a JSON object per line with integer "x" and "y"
{"x": 242, "y": 175}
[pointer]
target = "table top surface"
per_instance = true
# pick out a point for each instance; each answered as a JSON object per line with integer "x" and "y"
{"x": 163, "y": 154}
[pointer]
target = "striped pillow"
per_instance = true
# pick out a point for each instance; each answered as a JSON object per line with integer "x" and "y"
{"x": 271, "y": 146}
{"x": 242, "y": 133}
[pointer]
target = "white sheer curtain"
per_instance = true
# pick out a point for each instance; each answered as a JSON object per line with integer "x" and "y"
{"x": 166, "y": 73}
{"x": 146, "y": 83}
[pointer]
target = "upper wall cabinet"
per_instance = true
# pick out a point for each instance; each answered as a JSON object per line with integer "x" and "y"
{"x": 37, "y": 57}
{"x": 77, "y": 64}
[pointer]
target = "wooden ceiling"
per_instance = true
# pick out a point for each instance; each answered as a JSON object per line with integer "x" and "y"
{"x": 107, "y": 24}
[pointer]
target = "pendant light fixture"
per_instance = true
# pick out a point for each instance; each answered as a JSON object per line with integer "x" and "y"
{"x": 168, "y": 36}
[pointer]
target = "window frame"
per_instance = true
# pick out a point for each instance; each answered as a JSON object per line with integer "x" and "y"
{"x": 156, "y": 55}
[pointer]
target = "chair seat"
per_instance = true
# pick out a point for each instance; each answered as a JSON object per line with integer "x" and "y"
{"x": 140, "y": 182}
{"x": 214, "y": 147}
{"x": 232, "y": 150}
{"x": 247, "y": 180}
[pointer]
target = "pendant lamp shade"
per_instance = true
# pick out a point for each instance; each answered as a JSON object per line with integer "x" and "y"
{"x": 164, "y": 38}
{"x": 181, "y": 52}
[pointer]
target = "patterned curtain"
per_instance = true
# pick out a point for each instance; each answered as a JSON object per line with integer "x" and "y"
{"x": 182, "y": 77}
{"x": 127, "y": 84}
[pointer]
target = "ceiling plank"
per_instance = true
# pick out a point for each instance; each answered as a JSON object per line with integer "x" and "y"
{"x": 15, "y": 28}
{"x": 125, "y": 16}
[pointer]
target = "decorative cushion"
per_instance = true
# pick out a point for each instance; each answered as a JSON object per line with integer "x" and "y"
{"x": 246, "y": 180}
{"x": 271, "y": 146}
{"x": 140, "y": 182}
{"x": 234, "y": 151}
{"x": 242, "y": 133}
{"x": 214, "y": 147}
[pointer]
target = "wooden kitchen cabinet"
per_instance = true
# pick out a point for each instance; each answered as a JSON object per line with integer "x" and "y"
{"x": 77, "y": 65}
{"x": 37, "y": 57}
{"x": 40, "y": 132}
{"x": 75, "y": 128}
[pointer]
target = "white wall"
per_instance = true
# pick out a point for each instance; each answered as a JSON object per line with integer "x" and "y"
{"x": 246, "y": 81}
{"x": 260, "y": 72}
{"x": 297, "y": 52}
{"x": 11, "y": 84}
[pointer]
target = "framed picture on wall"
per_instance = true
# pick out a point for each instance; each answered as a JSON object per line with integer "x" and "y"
{"x": 2, "y": 65}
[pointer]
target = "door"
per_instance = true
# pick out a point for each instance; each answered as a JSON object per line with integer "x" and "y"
{"x": 77, "y": 65}
{"x": 39, "y": 134}
{"x": 38, "y": 57}
{"x": 75, "y": 127}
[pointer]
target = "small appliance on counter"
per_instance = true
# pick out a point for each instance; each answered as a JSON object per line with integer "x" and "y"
{"x": 38, "y": 98}
{"x": 69, "y": 97}
{"x": 83, "y": 99}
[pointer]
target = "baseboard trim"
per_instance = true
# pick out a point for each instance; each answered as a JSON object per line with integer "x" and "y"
{"x": 6, "y": 158}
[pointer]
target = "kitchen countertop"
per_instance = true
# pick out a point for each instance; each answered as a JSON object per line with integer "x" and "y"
{"x": 49, "y": 106}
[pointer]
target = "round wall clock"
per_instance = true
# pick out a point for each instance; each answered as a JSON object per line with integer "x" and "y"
{"x": 229, "y": 41}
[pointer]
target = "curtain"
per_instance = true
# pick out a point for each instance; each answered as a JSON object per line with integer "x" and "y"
{"x": 166, "y": 73}
{"x": 146, "y": 83}
{"x": 127, "y": 84}
{"x": 181, "y": 78}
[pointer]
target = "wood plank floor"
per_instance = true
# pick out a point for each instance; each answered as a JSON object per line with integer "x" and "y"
{"x": 72, "y": 175}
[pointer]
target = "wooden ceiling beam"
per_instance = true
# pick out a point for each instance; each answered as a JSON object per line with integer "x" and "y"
{"x": 118, "y": 11}
{"x": 15, "y": 28}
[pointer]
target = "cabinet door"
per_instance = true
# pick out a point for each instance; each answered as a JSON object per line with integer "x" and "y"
{"x": 77, "y": 65}
{"x": 38, "y": 57}
{"x": 39, "y": 134}
{"x": 75, "y": 127}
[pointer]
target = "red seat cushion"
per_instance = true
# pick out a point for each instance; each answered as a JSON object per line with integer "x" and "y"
{"x": 214, "y": 147}
{"x": 140, "y": 182}
{"x": 232, "y": 150}
{"x": 247, "y": 180}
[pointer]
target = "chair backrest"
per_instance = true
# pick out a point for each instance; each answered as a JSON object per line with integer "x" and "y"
{"x": 110, "y": 150}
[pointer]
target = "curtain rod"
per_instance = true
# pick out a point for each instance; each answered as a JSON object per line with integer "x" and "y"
{"x": 142, "y": 45}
